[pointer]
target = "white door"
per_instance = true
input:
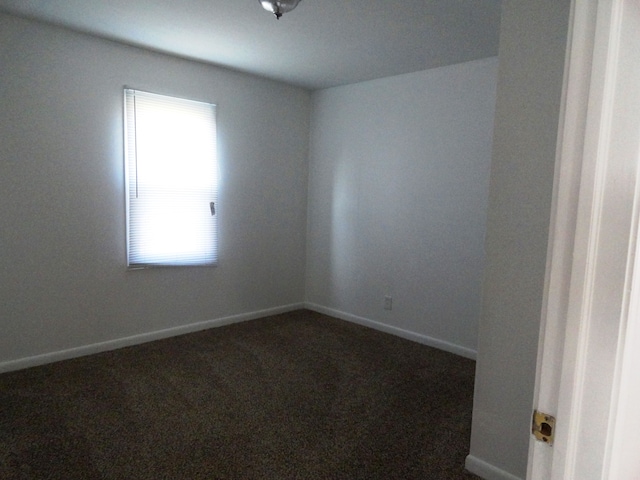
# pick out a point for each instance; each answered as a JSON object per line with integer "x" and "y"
{"x": 588, "y": 373}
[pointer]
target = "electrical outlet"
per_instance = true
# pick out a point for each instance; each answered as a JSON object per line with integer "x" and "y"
{"x": 388, "y": 302}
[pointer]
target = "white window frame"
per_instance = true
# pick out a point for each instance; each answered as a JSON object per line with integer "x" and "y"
{"x": 171, "y": 188}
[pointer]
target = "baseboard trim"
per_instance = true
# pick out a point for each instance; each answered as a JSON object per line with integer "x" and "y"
{"x": 486, "y": 470}
{"x": 34, "y": 361}
{"x": 409, "y": 335}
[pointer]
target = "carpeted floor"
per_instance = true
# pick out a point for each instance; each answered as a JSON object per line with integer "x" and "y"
{"x": 293, "y": 396}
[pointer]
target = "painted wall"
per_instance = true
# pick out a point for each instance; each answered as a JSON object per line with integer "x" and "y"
{"x": 532, "y": 51}
{"x": 399, "y": 174}
{"x": 62, "y": 226}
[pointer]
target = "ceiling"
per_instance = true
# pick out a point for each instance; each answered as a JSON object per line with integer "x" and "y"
{"x": 320, "y": 44}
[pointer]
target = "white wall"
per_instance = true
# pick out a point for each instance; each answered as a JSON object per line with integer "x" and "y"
{"x": 399, "y": 172}
{"x": 532, "y": 53}
{"x": 62, "y": 239}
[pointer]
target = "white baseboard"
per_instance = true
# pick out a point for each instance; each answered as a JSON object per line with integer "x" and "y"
{"x": 486, "y": 470}
{"x": 416, "y": 337}
{"x": 51, "y": 357}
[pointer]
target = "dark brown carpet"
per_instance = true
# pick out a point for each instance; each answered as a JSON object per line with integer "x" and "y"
{"x": 293, "y": 396}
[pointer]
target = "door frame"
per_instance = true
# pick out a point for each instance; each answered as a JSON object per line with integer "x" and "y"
{"x": 592, "y": 297}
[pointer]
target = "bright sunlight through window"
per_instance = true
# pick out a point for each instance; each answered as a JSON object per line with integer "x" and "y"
{"x": 172, "y": 180}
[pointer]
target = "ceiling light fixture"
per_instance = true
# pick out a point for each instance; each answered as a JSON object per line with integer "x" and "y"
{"x": 278, "y": 7}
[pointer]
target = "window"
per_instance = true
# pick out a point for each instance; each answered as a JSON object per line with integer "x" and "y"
{"x": 171, "y": 180}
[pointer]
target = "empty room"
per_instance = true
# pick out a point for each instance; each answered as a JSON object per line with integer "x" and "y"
{"x": 367, "y": 296}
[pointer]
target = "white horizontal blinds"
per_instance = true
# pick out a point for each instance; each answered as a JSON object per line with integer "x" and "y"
{"x": 172, "y": 180}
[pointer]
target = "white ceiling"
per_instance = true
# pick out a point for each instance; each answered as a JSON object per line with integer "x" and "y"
{"x": 322, "y": 43}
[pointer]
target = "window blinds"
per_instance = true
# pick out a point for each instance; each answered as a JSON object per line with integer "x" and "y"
{"x": 172, "y": 180}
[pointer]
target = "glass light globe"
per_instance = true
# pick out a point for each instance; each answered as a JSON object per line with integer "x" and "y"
{"x": 278, "y": 7}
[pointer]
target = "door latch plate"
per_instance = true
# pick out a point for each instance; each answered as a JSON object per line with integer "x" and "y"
{"x": 543, "y": 427}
